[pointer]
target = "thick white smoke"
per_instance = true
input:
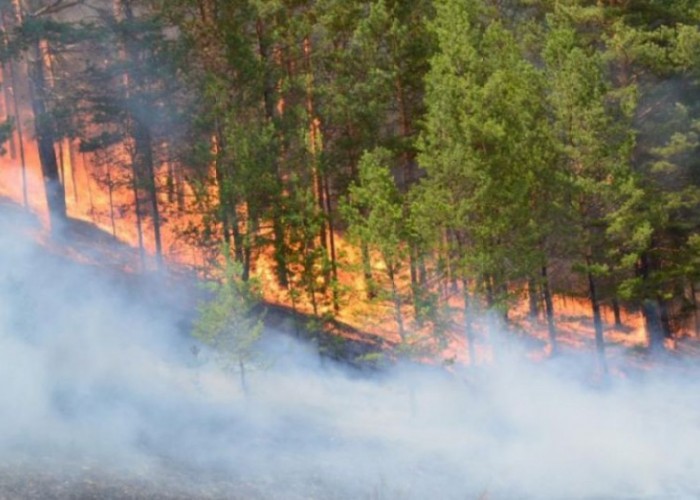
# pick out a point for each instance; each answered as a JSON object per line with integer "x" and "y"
{"x": 98, "y": 378}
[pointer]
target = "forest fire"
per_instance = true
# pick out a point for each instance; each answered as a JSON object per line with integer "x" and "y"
{"x": 370, "y": 249}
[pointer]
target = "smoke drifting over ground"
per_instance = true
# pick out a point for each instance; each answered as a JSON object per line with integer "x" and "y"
{"x": 99, "y": 382}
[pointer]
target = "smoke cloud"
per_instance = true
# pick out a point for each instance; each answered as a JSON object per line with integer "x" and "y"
{"x": 100, "y": 386}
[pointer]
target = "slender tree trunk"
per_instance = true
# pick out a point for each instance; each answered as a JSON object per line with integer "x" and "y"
{"x": 489, "y": 291}
{"x": 248, "y": 245}
{"x": 664, "y": 318}
{"x": 694, "y": 301}
{"x": 223, "y": 195}
{"x": 415, "y": 286}
{"x": 331, "y": 242}
{"x": 315, "y": 145}
{"x": 367, "y": 272}
{"x": 505, "y": 301}
{"x": 20, "y": 134}
{"x": 616, "y": 312}
{"x": 61, "y": 164}
{"x": 468, "y": 329}
{"x": 396, "y": 298}
{"x": 244, "y": 382}
{"x": 170, "y": 182}
{"x": 71, "y": 161}
{"x": 444, "y": 266}
{"x": 137, "y": 209}
{"x": 597, "y": 320}
{"x": 55, "y": 192}
{"x": 144, "y": 167}
{"x": 10, "y": 92}
{"x": 7, "y": 96}
{"x": 280, "y": 250}
{"x": 650, "y": 310}
{"x": 89, "y": 185}
{"x": 144, "y": 159}
{"x": 549, "y": 310}
{"x": 110, "y": 191}
{"x": 532, "y": 295}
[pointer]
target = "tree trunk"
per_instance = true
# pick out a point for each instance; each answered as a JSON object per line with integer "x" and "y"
{"x": 110, "y": 192}
{"x": 664, "y": 318}
{"x": 616, "y": 312}
{"x": 144, "y": 160}
{"x": 331, "y": 242}
{"x": 504, "y": 302}
{"x": 11, "y": 93}
{"x": 549, "y": 309}
{"x": 315, "y": 145}
{"x": 396, "y": 298}
{"x": 142, "y": 156}
{"x": 88, "y": 182}
{"x": 280, "y": 246}
{"x": 489, "y": 291}
{"x": 415, "y": 287}
{"x": 244, "y": 382}
{"x": 137, "y": 210}
{"x": 20, "y": 134}
{"x": 7, "y": 97}
{"x": 367, "y": 272}
{"x": 55, "y": 192}
{"x": 597, "y": 320}
{"x": 532, "y": 296}
{"x": 650, "y": 310}
{"x": 468, "y": 330}
{"x": 71, "y": 161}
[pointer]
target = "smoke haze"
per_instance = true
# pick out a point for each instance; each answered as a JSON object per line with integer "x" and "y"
{"x": 96, "y": 377}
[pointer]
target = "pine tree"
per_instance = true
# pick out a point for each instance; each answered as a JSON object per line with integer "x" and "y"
{"x": 230, "y": 322}
{"x": 485, "y": 147}
{"x": 376, "y": 214}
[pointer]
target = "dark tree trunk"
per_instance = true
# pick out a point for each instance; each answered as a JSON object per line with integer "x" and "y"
{"x": 55, "y": 192}
{"x": 367, "y": 272}
{"x": 597, "y": 319}
{"x": 468, "y": 329}
{"x": 549, "y": 309}
{"x": 10, "y": 92}
{"x": 110, "y": 192}
{"x": 396, "y": 298}
{"x": 242, "y": 373}
{"x": 616, "y": 312}
{"x": 650, "y": 309}
{"x": 144, "y": 167}
{"x": 280, "y": 245}
{"x": 489, "y": 292}
{"x": 143, "y": 158}
{"x": 694, "y": 302}
{"x": 504, "y": 302}
{"x": 331, "y": 244}
{"x": 664, "y": 318}
{"x": 533, "y": 298}
{"x": 139, "y": 216}
{"x": 415, "y": 286}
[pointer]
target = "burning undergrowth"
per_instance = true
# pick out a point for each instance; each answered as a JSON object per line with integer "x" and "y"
{"x": 103, "y": 398}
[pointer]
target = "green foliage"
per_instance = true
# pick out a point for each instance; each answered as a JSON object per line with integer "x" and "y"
{"x": 230, "y": 322}
{"x": 376, "y": 212}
